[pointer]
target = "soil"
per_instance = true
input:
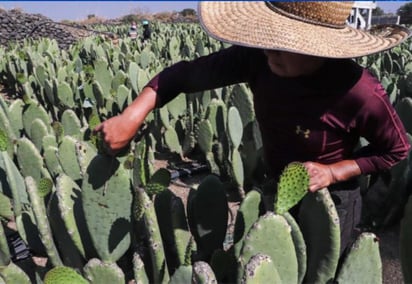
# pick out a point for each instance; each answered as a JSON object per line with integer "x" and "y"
{"x": 389, "y": 249}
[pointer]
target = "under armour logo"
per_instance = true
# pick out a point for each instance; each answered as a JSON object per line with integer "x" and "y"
{"x": 301, "y": 131}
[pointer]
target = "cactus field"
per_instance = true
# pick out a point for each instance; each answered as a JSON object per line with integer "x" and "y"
{"x": 94, "y": 218}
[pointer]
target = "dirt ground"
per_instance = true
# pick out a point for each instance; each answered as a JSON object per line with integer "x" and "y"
{"x": 389, "y": 248}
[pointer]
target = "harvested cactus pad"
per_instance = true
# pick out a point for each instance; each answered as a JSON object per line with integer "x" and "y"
{"x": 292, "y": 187}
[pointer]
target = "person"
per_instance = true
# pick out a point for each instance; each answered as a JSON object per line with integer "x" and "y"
{"x": 133, "y": 31}
{"x": 312, "y": 100}
{"x": 147, "y": 33}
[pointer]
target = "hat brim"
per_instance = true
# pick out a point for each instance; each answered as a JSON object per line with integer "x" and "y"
{"x": 254, "y": 24}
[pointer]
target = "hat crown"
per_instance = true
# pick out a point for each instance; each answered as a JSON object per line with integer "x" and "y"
{"x": 331, "y": 14}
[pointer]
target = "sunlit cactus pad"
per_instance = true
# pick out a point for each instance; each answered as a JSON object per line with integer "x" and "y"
{"x": 3, "y": 140}
{"x": 292, "y": 187}
{"x": 63, "y": 275}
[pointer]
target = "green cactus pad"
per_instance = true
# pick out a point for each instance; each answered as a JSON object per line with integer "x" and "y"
{"x": 247, "y": 214}
{"x": 94, "y": 120}
{"x": 319, "y": 223}
{"x": 300, "y": 245}
{"x": 363, "y": 262}
{"x": 158, "y": 182}
{"x": 14, "y": 274}
{"x": 107, "y": 201}
{"x": 260, "y": 269}
{"x": 237, "y": 168}
{"x": 172, "y": 140}
{"x": 292, "y": 187}
{"x": 42, "y": 222}
{"x": 235, "y": 127}
{"x": 6, "y": 208}
{"x": 177, "y": 106}
{"x": 98, "y": 272}
{"x": 71, "y": 123}
{"x": 203, "y": 273}
{"x": 205, "y": 136}
{"x": 4, "y": 140}
{"x": 208, "y": 226}
{"x": 279, "y": 246}
{"x": 68, "y": 199}
{"x": 63, "y": 275}
{"x": 182, "y": 275}
{"x": 140, "y": 276}
{"x": 65, "y": 94}
{"x": 31, "y": 112}
{"x": 29, "y": 159}
{"x": 58, "y": 130}
{"x": 45, "y": 186}
{"x": 242, "y": 99}
{"x": 16, "y": 116}
{"x": 4, "y": 249}
{"x": 38, "y": 131}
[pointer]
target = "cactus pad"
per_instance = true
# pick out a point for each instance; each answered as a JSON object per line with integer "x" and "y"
{"x": 63, "y": 275}
{"x": 363, "y": 262}
{"x": 3, "y": 140}
{"x": 45, "y": 186}
{"x": 260, "y": 269}
{"x": 292, "y": 187}
{"x": 158, "y": 182}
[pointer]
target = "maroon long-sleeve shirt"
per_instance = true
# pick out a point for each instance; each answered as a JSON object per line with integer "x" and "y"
{"x": 310, "y": 118}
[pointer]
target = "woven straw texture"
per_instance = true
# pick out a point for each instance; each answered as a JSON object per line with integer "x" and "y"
{"x": 322, "y": 32}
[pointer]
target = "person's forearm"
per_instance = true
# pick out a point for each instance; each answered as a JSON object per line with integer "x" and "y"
{"x": 323, "y": 175}
{"x": 118, "y": 130}
{"x": 137, "y": 111}
{"x": 344, "y": 170}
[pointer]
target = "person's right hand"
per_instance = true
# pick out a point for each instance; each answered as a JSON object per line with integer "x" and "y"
{"x": 117, "y": 131}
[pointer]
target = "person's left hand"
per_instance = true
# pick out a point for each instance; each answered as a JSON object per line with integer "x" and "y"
{"x": 320, "y": 176}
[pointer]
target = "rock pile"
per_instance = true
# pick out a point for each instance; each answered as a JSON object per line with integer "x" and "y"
{"x": 16, "y": 26}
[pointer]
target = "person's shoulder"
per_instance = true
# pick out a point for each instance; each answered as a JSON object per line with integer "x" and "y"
{"x": 369, "y": 92}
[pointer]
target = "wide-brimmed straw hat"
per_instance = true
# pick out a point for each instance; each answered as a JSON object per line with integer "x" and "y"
{"x": 312, "y": 28}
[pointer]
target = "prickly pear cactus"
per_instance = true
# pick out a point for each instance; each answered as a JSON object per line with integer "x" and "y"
{"x": 247, "y": 214}
{"x": 260, "y": 269}
{"x": 107, "y": 202}
{"x": 182, "y": 275}
{"x": 279, "y": 246}
{"x": 3, "y": 141}
{"x": 292, "y": 187}
{"x": 4, "y": 248}
{"x": 300, "y": 245}
{"x": 319, "y": 222}
{"x": 363, "y": 262}
{"x": 208, "y": 226}
{"x": 14, "y": 274}
{"x": 63, "y": 275}
{"x": 203, "y": 273}
{"x": 45, "y": 186}
{"x": 158, "y": 182}
{"x": 97, "y": 271}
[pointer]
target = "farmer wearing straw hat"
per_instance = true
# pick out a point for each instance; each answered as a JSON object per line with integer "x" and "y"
{"x": 312, "y": 102}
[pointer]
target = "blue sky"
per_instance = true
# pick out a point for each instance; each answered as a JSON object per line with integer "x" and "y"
{"x": 78, "y": 10}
